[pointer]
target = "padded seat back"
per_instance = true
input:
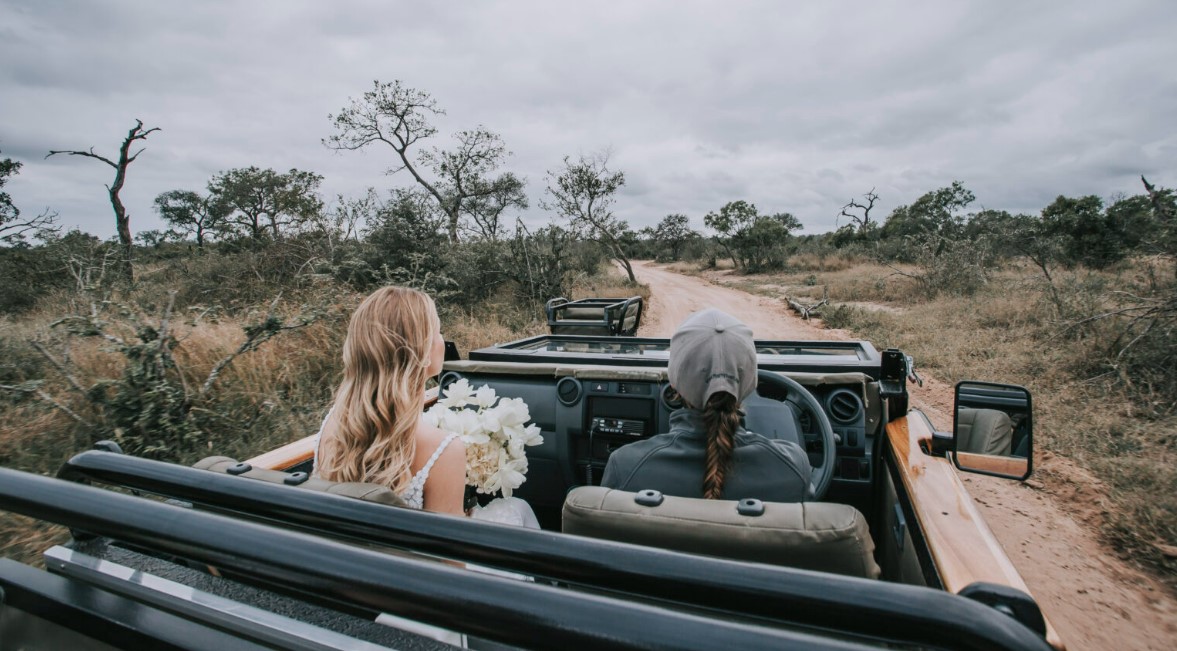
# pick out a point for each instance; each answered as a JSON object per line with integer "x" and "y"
{"x": 984, "y": 431}
{"x": 817, "y": 536}
{"x": 367, "y": 492}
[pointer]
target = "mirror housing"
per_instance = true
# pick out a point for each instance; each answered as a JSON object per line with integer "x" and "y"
{"x": 992, "y": 429}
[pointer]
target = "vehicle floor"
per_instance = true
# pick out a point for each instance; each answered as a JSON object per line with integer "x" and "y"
{"x": 1095, "y": 600}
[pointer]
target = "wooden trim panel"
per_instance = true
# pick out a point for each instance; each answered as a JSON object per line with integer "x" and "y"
{"x": 962, "y": 545}
{"x": 1012, "y": 466}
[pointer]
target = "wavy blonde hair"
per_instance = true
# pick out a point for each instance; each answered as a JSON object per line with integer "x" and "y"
{"x": 369, "y": 436}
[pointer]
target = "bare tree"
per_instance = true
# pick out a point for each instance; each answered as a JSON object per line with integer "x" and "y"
{"x": 486, "y": 210}
{"x": 121, "y": 219}
{"x": 399, "y": 117}
{"x": 862, "y": 217}
{"x": 584, "y": 191}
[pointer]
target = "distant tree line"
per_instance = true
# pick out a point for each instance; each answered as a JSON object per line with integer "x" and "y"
{"x": 456, "y": 226}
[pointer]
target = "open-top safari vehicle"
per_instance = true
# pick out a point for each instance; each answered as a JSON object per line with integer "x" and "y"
{"x": 257, "y": 554}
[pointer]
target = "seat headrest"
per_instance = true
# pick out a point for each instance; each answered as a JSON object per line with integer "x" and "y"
{"x": 361, "y": 491}
{"x": 984, "y": 431}
{"x": 818, "y": 536}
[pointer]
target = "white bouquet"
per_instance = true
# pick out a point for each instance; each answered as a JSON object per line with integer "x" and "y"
{"x": 495, "y": 435}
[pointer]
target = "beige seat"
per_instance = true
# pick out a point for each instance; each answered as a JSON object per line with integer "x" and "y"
{"x": 817, "y": 536}
{"x": 367, "y": 492}
{"x": 984, "y": 431}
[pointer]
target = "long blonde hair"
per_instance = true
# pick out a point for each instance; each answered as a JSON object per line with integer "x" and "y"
{"x": 369, "y": 436}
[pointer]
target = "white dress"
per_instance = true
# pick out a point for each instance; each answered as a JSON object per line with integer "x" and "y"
{"x": 501, "y": 510}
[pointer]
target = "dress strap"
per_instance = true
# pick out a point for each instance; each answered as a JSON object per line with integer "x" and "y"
{"x": 424, "y": 472}
{"x": 319, "y": 442}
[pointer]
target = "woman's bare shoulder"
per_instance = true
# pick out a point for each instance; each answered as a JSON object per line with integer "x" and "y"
{"x": 429, "y": 437}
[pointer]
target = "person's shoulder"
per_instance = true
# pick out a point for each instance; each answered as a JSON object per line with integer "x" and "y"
{"x": 430, "y": 438}
{"x": 645, "y": 445}
{"x": 779, "y": 446}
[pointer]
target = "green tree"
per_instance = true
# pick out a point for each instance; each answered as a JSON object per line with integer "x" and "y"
{"x": 1089, "y": 236}
{"x": 730, "y": 220}
{"x": 933, "y": 220}
{"x": 121, "y": 219}
{"x": 461, "y": 179}
{"x": 191, "y": 213}
{"x": 764, "y": 245}
{"x": 754, "y": 242}
{"x": 12, "y": 227}
{"x": 259, "y": 200}
{"x": 584, "y": 191}
{"x": 8, "y": 211}
{"x": 672, "y": 233}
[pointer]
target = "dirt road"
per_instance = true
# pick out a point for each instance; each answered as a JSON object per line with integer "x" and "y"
{"x": 1095, "y": 600}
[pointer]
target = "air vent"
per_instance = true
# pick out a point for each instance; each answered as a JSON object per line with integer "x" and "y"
{"x": 447, "y": 379}
{"x": 568, "y": 391}
{"x": 670, "y": 398}
{"x": 844, "y": 406}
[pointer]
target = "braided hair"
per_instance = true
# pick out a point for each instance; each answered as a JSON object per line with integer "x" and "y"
{"x": 721, "y": 417}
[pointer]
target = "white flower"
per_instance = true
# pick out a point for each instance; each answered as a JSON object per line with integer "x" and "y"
{"x": 531, "y": 435}
{"x": 494, "y": 431}
{"x": 468, "y": 425}
{"x": 457, "y": 395}
{"x": 485, "y": 396}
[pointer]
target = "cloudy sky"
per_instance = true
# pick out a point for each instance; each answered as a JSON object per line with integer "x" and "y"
{"x": 793, "y": 106}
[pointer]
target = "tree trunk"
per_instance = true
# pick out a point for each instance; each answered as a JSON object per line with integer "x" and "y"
{"x": 122, "y": 224}
{"x": 453, "y": 225}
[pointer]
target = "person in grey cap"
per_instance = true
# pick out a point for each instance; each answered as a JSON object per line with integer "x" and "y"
{"x": 707, "y": 453}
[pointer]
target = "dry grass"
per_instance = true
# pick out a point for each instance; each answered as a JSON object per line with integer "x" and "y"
{"x": 1011, "y": 332}
{"x": 263, "y": 399}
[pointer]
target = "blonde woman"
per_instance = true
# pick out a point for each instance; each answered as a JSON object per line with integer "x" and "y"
{"x": 374, "y": 432}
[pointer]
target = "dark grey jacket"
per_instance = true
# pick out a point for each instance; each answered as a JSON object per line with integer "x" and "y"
{"x": 674, "y": 463}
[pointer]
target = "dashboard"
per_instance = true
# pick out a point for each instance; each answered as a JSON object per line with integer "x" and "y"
{"x": 591, "y": 397}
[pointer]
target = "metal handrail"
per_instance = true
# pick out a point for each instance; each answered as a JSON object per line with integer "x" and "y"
{"x": 333, "y": 574}
{"x": 779, "y": 594}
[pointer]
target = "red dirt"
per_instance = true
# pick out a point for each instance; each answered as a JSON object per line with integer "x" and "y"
{"x": 1095, "y": 600}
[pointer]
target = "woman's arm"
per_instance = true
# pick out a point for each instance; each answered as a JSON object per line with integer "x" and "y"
{"x": 445, "y": 488}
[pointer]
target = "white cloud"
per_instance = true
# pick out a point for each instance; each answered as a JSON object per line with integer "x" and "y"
{"x": 794, "y": 106}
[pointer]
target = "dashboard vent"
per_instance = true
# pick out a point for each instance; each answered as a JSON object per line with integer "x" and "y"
{"x": 568, "y": 391}
{"x": 448, "y": 378}
{"x": 845, "y": 407}
{"x": 670, "y": 398}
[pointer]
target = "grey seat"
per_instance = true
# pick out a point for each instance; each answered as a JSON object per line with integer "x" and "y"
{"x": 984, "y": 431}
{"x": 819, "y": 536}
{"x": 367, "y": 492}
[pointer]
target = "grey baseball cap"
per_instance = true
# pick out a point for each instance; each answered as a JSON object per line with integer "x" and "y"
{"x": 712, "y": 351}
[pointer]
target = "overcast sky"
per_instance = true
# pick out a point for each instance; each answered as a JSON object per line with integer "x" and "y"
{"x": 793, "y": 106}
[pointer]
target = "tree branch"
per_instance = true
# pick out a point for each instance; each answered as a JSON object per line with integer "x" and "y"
{"x": 87, "y": 154}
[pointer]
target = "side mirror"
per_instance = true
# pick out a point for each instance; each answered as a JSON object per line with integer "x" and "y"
{"x": 992, "y": 429}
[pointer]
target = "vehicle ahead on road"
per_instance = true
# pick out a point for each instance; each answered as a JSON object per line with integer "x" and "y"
{"x": 890, "y": 553}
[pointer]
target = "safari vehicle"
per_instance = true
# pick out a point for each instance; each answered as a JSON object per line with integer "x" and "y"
{"x": 891, "y": 553}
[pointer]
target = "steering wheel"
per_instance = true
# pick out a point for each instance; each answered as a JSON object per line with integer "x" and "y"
{"x": 819, "y": 481}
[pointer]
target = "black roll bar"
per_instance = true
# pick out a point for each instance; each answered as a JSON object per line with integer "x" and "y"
{"x": 333, "y": 574}
{"x": 785, "y": 595}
